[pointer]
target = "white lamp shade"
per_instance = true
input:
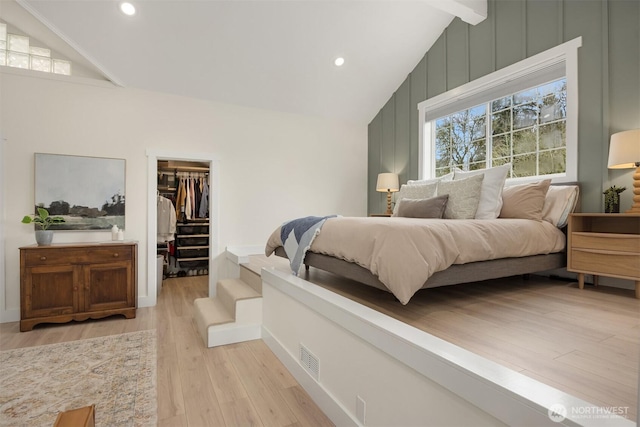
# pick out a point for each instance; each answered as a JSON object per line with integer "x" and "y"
{"x": 624, "y": 149}
{"x": 387, "y": 182}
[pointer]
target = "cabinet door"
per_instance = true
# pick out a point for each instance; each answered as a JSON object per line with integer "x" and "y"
{"x": 50, "y": 291}
{"x": 108, "y": 286}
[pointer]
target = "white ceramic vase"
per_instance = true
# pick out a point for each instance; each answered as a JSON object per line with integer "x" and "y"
{"x": 44, "y": 237}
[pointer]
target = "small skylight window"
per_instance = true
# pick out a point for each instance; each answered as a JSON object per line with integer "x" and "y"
{"x": 16, "y": 52}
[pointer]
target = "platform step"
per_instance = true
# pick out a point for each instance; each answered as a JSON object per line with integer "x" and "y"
{"x": 210, "y": 312}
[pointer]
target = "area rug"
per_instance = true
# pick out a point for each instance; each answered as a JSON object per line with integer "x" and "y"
{"x": 117, "y": 373}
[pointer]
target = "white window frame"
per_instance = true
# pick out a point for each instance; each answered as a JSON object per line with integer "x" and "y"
{"x": 559, "y": 61}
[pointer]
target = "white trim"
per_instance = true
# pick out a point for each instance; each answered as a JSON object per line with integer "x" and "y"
{"x": 505, "y": 394}
{"x": 240, "y": 254}
{"x": 153, "y": 156}
{"x": 564, "y": 55}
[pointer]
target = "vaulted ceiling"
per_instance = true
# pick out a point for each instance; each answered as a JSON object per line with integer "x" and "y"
{"x": 277, "y": 55}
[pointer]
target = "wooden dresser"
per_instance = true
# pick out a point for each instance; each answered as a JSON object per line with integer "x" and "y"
{"x": 604, "y": 245}
{"x": 65, "y": 282}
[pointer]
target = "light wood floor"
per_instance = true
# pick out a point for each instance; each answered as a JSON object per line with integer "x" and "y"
{"x": 235, "y": 385}
{"x": 584, "y": 342}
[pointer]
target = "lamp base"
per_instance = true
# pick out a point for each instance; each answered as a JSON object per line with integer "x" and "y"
{"x": 635, "y": 208}
{"x": 389, "y": 211}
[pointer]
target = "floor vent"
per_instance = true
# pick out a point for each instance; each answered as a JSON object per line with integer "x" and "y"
{"x": 309, "y": 362}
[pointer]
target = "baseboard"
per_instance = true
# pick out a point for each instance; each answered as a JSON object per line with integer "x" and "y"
{"x": 11, "y": 315}
{"x": 325, "y": 401}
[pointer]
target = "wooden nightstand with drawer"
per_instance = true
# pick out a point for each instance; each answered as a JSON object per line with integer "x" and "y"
{"x": 604, "y": 245}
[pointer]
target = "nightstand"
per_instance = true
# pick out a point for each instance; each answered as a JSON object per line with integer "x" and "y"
{"x": 604, "y": 245}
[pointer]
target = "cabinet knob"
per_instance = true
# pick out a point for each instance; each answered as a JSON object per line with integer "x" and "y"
{"x": 43, "y": 258}
{"x": 75, "y": 288}
{"x": 116, "y": 255}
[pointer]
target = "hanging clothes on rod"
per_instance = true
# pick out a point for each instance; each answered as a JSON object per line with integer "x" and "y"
{"x": 190, "y": 195}
{"x": 204, "y": 201}
{"x": 166, "y": 220}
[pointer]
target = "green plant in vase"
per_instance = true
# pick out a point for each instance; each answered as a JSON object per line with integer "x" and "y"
{"x": 43, "y": 221}
{"x": 612, "y": 199}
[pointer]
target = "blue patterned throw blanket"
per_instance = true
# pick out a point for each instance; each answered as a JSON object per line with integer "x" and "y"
{"x": 297, "y": 236}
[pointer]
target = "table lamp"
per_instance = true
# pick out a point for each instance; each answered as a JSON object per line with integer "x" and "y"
{"x": 624, "y": 153}
{"x": 388, "y": 182}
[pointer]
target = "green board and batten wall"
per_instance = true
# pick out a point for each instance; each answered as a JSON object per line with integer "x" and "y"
{"x": 608, "y": 70}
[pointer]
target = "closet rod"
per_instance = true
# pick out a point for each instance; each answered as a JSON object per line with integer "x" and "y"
{"x": 183, "y": 169}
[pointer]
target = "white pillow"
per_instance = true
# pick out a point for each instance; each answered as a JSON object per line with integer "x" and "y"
{"x": 491, "y": 195}
{"x": 560, "y": 201}
{"x": 418, "y": 191}
{"x": 464, "y": 195}
{"x": 447, "y": 177}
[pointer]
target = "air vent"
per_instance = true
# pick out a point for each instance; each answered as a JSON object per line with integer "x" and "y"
{"x": 309, "y": 362}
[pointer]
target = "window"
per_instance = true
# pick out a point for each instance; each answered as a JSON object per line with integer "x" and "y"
{"x": 525, "y": 114}
{"x": 527, "y": 128}
{"x": 15, "y": 51}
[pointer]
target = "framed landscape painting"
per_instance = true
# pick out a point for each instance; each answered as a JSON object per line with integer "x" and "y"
{"x": 89, "y": 192}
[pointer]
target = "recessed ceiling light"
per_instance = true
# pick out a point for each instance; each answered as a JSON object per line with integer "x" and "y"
{"x": 127, "y": 8}
{"x": 339, "y": 62}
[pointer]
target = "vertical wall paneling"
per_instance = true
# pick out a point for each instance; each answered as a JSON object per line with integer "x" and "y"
{"x": 375, "y": 144}
{"x": 402, "y": 137}
{"x": 623, "y": 77}
{"x": 437, "y": 67}
{"x": 387, "y": 152}
{"x": 542, "y": 26}
{"x": 509, "y": 28}
{"x": 418, "y": 94}
{"x": 481, "y": 47}
{"x": 608, "y": 71}
{"x": 584, "y": 19}
{"x": 457, "y": 54}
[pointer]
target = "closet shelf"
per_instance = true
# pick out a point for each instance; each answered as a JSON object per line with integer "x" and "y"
{"x": 202, "y": 258}
{"x": 192, "y": 247}
{"x": 181, "y": 236}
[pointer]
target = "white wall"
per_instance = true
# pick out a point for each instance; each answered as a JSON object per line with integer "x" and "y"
{"x": 273, "y": 166}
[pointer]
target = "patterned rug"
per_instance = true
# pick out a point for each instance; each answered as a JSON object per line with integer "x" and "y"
{"x": 117, "y": 373}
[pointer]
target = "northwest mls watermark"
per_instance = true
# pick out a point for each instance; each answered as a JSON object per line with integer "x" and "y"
{"x": 558, "y": 412}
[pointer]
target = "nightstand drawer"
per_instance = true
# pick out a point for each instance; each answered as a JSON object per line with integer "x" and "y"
{"x": 606, "y": 241}
{"x": 603, "y": 262}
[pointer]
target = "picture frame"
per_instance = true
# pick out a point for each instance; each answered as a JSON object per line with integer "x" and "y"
{"x": 88, "y": 192}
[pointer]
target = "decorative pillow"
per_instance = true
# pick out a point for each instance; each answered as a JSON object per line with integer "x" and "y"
{"x": 447, "y": 177}
{"x": 423, "y": 208}
{"x": 491, "y": 195}
{"x": 464, "y": 195}
{"x": 560, "y": 201}
{"x": 525, "y": 200}
{"x": 421, "y": 191}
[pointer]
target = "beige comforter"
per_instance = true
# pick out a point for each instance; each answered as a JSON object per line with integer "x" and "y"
{"x": 405, "y": 252}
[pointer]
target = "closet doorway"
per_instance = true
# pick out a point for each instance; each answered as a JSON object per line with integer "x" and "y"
{"x": 183, "y": 219}
{"x": 189, "y": 247}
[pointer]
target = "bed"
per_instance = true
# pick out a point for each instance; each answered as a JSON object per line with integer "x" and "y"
{"x": 404, "y": 254}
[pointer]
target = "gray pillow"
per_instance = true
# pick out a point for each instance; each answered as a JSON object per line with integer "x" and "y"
{"x": 464, "y": 196}
{"x": 418, "y": 191}
{"x": 423, "y": 208}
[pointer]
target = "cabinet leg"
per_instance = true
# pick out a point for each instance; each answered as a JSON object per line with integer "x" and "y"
{"x": 596, "y": 280}
{"x": 638, "y": 289}
{"x": 581, "y": 280}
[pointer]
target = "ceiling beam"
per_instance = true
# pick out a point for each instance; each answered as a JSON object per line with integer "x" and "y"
{"x": 470, "y": 11}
